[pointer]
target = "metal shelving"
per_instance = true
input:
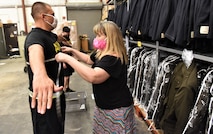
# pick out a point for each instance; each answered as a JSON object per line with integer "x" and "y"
{"x": 175, "y": 51}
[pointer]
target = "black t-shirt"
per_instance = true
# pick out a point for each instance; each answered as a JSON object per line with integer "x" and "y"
{"x": 48, "y": 41}
{"x": 114, "y": 92}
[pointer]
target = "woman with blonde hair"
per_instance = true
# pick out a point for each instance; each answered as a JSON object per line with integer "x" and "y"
{"x": 114, "y": 110}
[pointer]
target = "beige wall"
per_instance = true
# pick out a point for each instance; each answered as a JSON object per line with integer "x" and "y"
{"x": 86, "y": 16}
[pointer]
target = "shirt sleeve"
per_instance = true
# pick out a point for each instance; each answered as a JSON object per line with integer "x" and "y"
{"x": 111, "y": 65}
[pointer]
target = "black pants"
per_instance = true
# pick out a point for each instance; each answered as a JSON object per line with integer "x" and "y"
{"x": 49, "y": 123}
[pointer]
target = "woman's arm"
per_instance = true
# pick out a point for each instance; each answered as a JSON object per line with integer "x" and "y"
{"x": 93, "y": 75}
{"x": 78, "y": 55}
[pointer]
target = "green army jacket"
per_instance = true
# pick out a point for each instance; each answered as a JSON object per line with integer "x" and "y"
{"x": 180, "y": 98}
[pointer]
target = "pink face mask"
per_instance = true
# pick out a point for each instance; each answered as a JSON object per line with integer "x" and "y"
{"x": 99, "y": 44}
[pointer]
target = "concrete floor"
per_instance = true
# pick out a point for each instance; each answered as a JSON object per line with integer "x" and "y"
{"x": 14, "y": 108}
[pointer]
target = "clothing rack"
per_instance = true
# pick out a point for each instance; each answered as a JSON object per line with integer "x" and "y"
{"x": 140, "y": 112}
{"x": 175, "y": 51}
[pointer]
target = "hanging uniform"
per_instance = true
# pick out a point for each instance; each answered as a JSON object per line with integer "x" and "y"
{"x": 163, "y": 12}
{"x": 125, "y": 18}
{"x": 209, "y": 123}
{"x": 135, "y": 15}
{"x": 164, "y": 72}
{"x": 179, "y": 99}
{"x": 210, "y": 34}
{"x": 201, "y": 18}
{"x": 111, "y": 15}
{"x": 145, "y": 20}
{"x": 139, "y": 74}
{"x": 148, "y": 79}
{"x": 198, "y": 115}
{"x": 132, "y": 68}
{"x": 119, "y": 13}
{"x": 178, "y": 30}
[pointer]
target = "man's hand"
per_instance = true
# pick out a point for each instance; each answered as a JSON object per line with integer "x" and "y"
{"x": 60, "y": 38}
{"x": 42, "y": 93}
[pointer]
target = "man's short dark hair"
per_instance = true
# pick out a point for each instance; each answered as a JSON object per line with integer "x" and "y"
{"x": 66, "y": 29}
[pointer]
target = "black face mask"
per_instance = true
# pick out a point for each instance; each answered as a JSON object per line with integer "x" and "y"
{"x": 66, "y": 37}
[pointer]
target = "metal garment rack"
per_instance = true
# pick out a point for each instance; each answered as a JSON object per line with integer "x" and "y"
{"x": 175, "y": 51}
{"x": 140, "y": 111}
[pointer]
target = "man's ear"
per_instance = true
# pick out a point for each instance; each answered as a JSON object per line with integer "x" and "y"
{"x": 43, "y": 16}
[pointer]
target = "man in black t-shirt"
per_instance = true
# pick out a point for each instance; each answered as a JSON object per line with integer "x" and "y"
{"x": 46, "y": 96}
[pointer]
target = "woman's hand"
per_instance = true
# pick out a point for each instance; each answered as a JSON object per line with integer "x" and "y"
{"x": 66, "y": 49}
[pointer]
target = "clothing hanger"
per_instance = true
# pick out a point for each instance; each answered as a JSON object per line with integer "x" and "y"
{"x": 187, "y": 56}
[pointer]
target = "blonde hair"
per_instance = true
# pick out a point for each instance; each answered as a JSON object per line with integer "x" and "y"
{"x": 115, "y": 44}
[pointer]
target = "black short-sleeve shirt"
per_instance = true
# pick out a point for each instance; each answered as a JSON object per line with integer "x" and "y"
{"x": 48, "y": 41}
{"x": 114, "y": 92}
